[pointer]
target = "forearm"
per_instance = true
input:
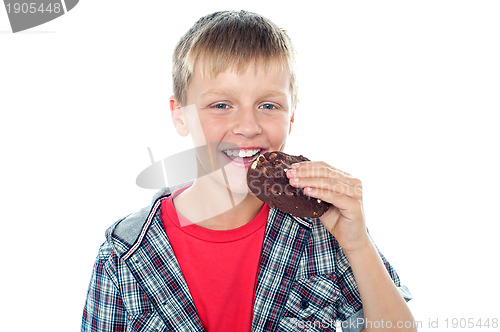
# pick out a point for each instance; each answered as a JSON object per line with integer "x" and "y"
{"x": 381, "y": 299}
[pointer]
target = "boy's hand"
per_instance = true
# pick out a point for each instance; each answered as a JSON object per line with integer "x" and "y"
{"x": 345, "y": 219}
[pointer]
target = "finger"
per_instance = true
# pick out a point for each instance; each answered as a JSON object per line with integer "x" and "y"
{"x": 317, "y": 164}
{"x": 349, "y": 207}
{"x": 322, "y": 171}
{"x": 328, "y": 184}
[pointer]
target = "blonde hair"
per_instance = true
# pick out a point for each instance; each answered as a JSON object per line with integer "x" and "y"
{"x": 231, "y": 39}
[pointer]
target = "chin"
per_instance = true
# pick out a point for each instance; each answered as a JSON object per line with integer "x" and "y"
{"x": 237, "y": 183}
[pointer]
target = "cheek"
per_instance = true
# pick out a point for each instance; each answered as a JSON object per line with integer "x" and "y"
{"x": 209, "y": 130}
{"x": 280, "y": 136}
{"x": 277, "y": 131}
{"x": 214, "y": 130}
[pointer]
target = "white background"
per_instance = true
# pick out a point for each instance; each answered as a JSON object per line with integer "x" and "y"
{"x": 401, "y": 94}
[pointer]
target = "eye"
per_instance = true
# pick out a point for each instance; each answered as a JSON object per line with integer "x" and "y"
{"x": 268, "y": 106}
{"x": 221, "y": 106}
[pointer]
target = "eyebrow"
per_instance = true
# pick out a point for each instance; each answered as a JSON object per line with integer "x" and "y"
{"x": 272, "y": 93}
{"x": 216, "y": 92}
{"x": 269, "y": 93}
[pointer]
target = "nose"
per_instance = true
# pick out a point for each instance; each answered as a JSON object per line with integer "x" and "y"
{"x": 246, "y": 123}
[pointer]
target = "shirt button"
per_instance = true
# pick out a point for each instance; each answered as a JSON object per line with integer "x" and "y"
{"x": 304, "y": 304}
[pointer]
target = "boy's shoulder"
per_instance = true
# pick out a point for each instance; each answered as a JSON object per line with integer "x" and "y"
{"x": 129, "y": 228}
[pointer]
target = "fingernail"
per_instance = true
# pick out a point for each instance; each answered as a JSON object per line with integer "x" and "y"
{"x": 296, "y": 165}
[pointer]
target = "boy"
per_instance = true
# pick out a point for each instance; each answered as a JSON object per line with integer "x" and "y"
{"x": 209, "y": 255}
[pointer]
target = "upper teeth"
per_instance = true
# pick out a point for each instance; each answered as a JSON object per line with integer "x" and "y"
{"x": 242, "y": 153}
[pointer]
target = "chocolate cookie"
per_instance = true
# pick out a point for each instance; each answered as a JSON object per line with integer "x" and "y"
{"x": 267, "y": 179}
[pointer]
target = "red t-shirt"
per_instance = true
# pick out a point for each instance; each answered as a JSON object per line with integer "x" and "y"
{"x": 220, "y": 267}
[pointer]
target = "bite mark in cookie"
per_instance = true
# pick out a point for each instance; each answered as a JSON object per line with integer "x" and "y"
{"x": 267, "y": 179}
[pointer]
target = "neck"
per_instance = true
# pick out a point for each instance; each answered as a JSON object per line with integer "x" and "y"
{"x": 216, "y": 208}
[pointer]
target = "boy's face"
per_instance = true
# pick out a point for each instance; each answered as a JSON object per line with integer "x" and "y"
{"x": 239, "y": 115}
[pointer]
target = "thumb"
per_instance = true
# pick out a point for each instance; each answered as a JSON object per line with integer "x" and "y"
{"x": 330, "y": 217}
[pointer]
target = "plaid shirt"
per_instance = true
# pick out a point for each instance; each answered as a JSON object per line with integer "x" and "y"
{"x": 304, "y": 281}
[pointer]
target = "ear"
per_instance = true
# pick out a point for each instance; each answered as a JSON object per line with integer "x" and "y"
{"x": 178, "y": 117}
{"x": 292, "y": 119}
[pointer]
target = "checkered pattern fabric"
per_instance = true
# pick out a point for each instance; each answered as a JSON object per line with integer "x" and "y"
{"x": 304, "y": 281}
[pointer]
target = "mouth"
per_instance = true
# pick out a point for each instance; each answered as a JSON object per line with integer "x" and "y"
{"x": 243, "y": 157}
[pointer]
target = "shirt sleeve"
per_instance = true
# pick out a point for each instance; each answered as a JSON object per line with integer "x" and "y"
{"x": 349, "y": 309}
{"x": 103, "y": 309}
